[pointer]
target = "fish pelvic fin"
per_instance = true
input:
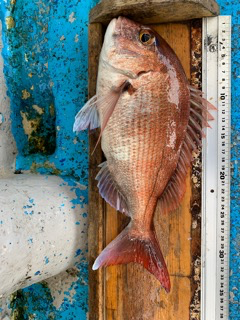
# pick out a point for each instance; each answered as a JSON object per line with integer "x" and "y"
{"x": 132, "y": 246}
{"x": 109, "y": 189}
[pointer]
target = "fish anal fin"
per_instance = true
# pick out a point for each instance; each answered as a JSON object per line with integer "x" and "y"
{"x": 109, "y": 189}
{"x": 176, "y": 187}
{"x": 132, "y": 246}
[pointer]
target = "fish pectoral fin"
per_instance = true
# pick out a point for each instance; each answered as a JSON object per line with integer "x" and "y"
{"x": 107, "y": 104}
{"x": 109, "y": 190}
{"x": 131, "y": 247}
{"x": 87, "y": 117}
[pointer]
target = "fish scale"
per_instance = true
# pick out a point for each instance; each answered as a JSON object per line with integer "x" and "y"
{"x": 141, "y": 150}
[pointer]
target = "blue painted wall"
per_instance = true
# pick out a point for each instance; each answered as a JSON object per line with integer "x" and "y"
{"x": 47, "y": 68}
{"x": 232, "y": 7}
{"x": 46, "y": 60}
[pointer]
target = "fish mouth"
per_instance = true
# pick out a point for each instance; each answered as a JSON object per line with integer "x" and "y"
{"x": 118, "y": 25}
{"x": 115, "y": 26}
{"x": 110, "y": 33}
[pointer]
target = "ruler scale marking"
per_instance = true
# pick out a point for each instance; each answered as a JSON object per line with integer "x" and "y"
{"x": 216, "y": 170}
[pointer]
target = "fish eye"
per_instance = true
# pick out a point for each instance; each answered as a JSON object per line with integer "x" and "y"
{"x": 146, "y": 37}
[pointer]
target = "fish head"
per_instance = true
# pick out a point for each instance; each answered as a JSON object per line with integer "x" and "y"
{"x": 131, "y": 49}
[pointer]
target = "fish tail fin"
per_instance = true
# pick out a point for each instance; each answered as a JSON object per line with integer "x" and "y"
{"x": 131, "y": 246}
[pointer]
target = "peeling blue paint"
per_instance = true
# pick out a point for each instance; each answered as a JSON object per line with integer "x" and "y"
{"x": 58, "y": 72}
{"x": 36, "y": 302}
{"x": 46, "y": 75}
{"x": 78, "y": 252}
{"x": 46, "y": 260}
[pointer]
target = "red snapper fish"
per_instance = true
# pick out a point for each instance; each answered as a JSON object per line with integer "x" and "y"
{"x": 151, "y": 120}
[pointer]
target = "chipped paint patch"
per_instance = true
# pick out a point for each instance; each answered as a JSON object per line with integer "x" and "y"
{"x": 10, "y": 22}
{"x": 72, "y": 17}
{"x": 29, "y": 126}
{"x": 44, "y": 168}
{"x": 38, "y": 109}
{"x": 25, "y": 93}
{"x": 5, "y": 310}
{"x": 63, "y": 280}
{"x": 1, "y": 118}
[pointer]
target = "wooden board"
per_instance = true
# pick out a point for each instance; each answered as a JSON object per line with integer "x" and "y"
{"x": 155, "y": 11}
{"x": 128, "y": 292}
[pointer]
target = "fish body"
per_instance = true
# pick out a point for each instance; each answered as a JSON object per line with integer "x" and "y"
{"x": 143, "y": 103}
{"x": 144, "y": 135}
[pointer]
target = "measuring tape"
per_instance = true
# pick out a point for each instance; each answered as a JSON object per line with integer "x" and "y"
{"x": 216, "y": 170}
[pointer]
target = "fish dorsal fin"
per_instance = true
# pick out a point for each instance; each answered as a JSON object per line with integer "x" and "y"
{"x": 87, "y": 117}
{"x": 109, "y": 189}
{"x": 198, "y": 120}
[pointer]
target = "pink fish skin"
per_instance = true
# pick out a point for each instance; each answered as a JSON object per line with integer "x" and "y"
{"x": 149, "y": 127}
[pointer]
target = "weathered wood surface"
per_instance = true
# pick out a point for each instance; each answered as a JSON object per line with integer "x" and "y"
{"x": 155, "y": 11}
{"x": 128, "y": 292}
{"x": 97, "y": 206}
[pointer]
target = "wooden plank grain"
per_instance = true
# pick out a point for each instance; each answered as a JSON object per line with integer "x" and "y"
{"x": 155, "y": 11}
{"x": 131, "y": 292}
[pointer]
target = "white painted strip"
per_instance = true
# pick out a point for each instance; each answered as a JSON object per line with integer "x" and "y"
{"x": 216, "y": 169}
